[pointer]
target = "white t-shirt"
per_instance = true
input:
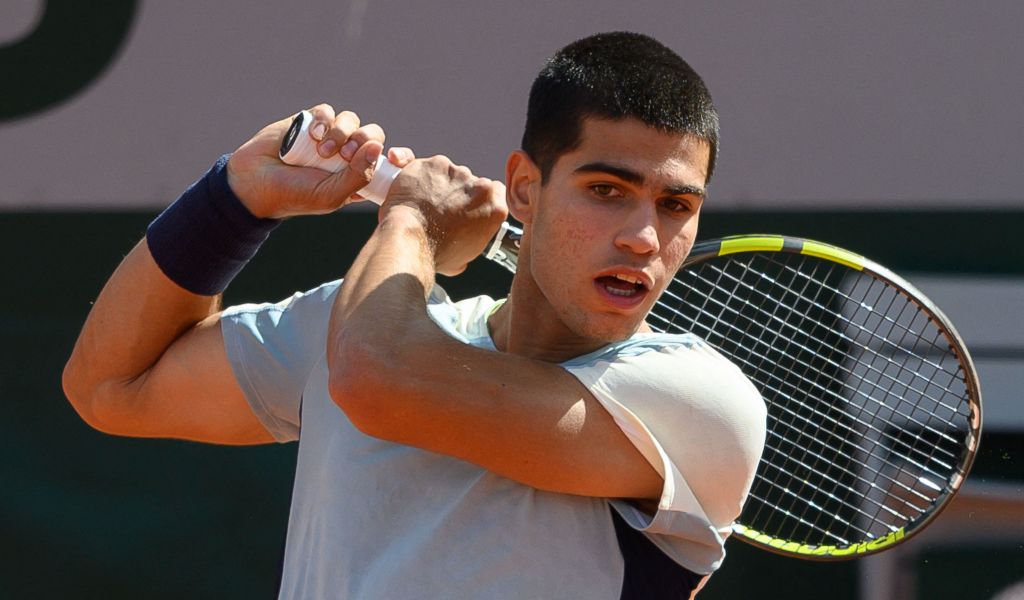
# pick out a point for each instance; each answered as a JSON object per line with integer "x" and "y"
{"x": 374, "y": 519}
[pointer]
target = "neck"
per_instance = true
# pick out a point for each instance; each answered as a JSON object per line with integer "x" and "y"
{"x": 529, "y": 328}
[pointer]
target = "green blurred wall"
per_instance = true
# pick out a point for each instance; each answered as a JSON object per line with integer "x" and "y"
{"x": 84, "y": 515}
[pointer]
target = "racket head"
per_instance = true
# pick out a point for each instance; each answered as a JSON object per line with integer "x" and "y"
{"x": 874, "y": 406}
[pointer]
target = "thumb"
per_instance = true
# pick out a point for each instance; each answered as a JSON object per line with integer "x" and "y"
{"x": 343, "y": 185}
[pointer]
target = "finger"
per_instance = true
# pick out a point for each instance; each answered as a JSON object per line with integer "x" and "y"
{"x": 366, "y": 133}
{"x": 498, "y": 190}
{"x": 323, "y": 118}
{"x": 401, "y": 156}
{"x": 360, "y": 168}
{"x": 498, "y": 200}
{"x": 461, "y": 172}
{"x": 343, "y": 126}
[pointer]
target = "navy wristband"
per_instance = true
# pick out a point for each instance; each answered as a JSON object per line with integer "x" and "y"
{"x": 205, "y": 238}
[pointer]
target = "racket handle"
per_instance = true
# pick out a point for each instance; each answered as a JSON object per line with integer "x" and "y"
{"x": 299, "y": 149}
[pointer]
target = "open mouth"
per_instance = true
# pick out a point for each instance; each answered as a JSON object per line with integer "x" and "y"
{"x": 623, "y": 286}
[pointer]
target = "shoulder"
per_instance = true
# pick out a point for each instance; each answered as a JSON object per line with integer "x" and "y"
{"x": 677, "y": 367}
{"x": 707, "y": 417}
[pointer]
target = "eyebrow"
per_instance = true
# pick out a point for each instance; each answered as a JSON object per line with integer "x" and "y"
{"x": 636, "y": 178}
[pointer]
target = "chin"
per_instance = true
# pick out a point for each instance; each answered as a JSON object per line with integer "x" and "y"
{"x": 608, "y": 329}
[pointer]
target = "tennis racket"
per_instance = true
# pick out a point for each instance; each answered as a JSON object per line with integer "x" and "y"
{"x": 874, "y": 407}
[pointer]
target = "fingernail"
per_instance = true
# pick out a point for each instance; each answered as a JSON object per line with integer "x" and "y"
{"x": 319, "y": 130}
{"x": 403, "y": 154}
{"x": 327, "y": 148}
{"x": 349, "y": 149}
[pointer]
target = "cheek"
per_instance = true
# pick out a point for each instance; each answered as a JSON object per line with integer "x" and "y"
{"x": 676, "y": 251}
{"x": 687, "y": 236}
{"x": 567, "y": 235}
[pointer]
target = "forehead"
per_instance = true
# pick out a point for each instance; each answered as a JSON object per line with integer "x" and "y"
{"x": 631, "y": 143}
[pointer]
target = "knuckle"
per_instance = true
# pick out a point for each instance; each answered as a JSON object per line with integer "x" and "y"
{"x": 349, "y": 118}
{"x": 322, "y": 112}
{"x": 354, "y": 180}
{"x": 368, "y": 133}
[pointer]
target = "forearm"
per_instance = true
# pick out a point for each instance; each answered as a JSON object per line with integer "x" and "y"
{"x": 137, "y": 316}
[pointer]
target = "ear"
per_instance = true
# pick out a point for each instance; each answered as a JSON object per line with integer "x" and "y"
{"x": 522, "y": 179}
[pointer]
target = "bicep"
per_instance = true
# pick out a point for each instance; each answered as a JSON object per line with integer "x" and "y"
{"x": 191, "y": 393}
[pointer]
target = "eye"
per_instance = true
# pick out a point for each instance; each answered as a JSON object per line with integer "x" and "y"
{"x": 676, "y": 205}
{"x": 605, "y": 190}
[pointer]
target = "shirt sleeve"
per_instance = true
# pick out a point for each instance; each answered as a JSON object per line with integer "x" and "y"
{"x": 699, "y": 422}
{"x": 273, "y": 348}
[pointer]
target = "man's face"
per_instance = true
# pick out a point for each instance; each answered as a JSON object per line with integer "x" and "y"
{"x": 613, "y": 222}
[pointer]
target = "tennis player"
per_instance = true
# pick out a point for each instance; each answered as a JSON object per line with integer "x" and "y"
{"x": 548, "y": 445}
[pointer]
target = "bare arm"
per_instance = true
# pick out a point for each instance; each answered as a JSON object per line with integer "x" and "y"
{"x": 399, "y": 377}
{"x": 150, "y": 360}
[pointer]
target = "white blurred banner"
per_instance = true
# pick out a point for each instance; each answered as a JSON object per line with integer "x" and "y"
{"x": 823, "y": 105}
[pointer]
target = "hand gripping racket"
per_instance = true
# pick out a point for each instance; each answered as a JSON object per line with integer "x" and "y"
{"x": 874, "y": 408}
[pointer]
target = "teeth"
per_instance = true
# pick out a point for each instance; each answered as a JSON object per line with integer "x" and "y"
{"x": 617, "y": 292}
{"x": 628, "y": 279}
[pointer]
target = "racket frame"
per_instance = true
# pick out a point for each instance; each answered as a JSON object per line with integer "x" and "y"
{"x": 738, "y": 244}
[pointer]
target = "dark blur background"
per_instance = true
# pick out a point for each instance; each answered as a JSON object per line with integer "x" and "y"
{"x": 892, "y": 131}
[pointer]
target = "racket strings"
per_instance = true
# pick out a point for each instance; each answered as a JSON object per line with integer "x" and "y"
{"x": 807, "y": 421}
{"x": 805, "y": 334}
{"x": 709, "y": 333}
{"x": 785, "y": 475}
{"x": 782, "y": 302}
{"x": 810, "y": 351}
{"x": 821, "y": 465}
{"x": 937, "y": 345}
{"x": 839, "y": 439}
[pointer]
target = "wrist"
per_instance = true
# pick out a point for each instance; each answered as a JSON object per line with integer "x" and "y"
{"x": 408, "y": 232}
{"x": 245, "y": 193}
{"x": 405, "y": 220}
{"x": 207, "y": 235}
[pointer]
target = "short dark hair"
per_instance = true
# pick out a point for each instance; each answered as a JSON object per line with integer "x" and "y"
{"x": 615, "y": 76}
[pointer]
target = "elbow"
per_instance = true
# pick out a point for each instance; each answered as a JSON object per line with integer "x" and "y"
{"x": 80, "y": 393}
{"x": 85, "y": 396}
{"x": 377, "y": 378}
{"x": 359, "y": 382}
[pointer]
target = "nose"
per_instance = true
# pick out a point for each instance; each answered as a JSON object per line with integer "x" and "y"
{"x": 638, "y": 233}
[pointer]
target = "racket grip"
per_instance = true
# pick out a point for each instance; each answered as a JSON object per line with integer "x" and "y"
{"x": 298, "y": 148}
